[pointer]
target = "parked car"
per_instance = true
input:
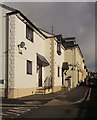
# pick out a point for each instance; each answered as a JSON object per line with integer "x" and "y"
{"x": 92, "y": 82}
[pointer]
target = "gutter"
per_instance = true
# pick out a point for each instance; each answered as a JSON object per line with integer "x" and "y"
{"x": 6, "y": 56}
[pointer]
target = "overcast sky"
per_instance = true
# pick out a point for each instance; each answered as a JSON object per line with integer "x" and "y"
{"x": 69, "y": 19}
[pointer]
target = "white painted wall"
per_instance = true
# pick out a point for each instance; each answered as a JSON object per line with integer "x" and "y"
{"x": 2, "y": 44}
{"x": 21, "y": 79}
{"x": 47, "y": 56}
{"x": 59, "y": 59}
{"x": 1, "y": 53}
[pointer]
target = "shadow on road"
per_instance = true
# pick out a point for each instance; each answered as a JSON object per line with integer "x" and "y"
{"x": 88, "y": 108}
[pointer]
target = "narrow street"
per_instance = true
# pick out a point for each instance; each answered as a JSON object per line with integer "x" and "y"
{"x": 88, "y": 108}
{"x": 70, "y": 105}
{"x": 59, "y": 109}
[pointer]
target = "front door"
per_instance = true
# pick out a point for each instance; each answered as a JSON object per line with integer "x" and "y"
{"x": 40, "y": 76}
{"x": 62, "y": 77}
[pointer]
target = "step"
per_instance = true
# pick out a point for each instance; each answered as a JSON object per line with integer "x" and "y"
{"x": 40, "y": 91}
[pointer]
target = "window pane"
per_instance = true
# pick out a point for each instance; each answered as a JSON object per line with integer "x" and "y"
{"x": 59, "y": 48}
{"x": 58, "y": 71}
{"x": 29, "y": 33}
{"x": 29, "y": 67}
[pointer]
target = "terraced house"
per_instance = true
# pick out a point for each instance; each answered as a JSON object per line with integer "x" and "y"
{"x": 77, "y": 71}
{"x": 33, "y": 60}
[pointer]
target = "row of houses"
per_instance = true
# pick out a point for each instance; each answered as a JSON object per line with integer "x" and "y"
{"x": 35, "y": 61}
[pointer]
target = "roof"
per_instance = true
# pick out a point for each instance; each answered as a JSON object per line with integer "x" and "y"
{"x": 71, "y": 44}
{"x": 20, "y": 14}
{"x": 80, "y": 51}
{"x": 46, "y": 32}
{"x": 66, "y": 44}
{"x": 23, "y": 18}
{"x": 50, "y": 35}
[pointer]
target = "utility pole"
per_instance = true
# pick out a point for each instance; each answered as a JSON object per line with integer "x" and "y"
{"x": 52, "y": 29}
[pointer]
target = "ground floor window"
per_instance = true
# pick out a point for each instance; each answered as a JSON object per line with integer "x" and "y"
{"x": 29, "y": 67}
{"x": 58, "y": 71}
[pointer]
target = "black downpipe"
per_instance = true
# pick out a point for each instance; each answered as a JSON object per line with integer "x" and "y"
{"x": 6, "y": 56}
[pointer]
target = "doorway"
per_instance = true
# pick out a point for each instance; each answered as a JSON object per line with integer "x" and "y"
{"x": 62, "y": 77}
{"x": 40, "y": 76}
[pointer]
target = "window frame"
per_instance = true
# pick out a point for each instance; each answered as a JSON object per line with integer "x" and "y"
{"x": 29, "y": 70}
{"x": 58, "y": 71}
{"x": 29, "y": 29}
{"x": 59, "y": 48}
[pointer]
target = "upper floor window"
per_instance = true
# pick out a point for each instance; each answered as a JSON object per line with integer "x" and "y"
{"x": 29, "y": 33}
{"x": 59, "y": 48}
{"x": 58, "y": 71}
{"x": 29, "y": 67}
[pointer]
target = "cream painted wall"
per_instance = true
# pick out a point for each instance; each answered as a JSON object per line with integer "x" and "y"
{"x": 69, "y": 57}
{"x": 78, "y": 56}
{"x": 79, "y": 60}
{"x": 73, "y": 56}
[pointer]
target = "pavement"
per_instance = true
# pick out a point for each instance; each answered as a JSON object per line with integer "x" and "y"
{"x": 72, "y": 96}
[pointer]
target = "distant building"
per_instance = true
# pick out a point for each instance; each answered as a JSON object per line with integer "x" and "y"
{"x": 58, "y": 65}
{"x": 76, "y": 63}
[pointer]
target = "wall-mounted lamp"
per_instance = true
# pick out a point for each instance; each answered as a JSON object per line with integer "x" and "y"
{"x": 73, "y": 66}
{"x": 20, "y": 46}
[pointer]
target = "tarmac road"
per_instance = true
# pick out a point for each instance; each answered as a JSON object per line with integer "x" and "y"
{"x": 88, "y": 108}
{"x": 63, "y": 106}
{"x": 74, "y": 104}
